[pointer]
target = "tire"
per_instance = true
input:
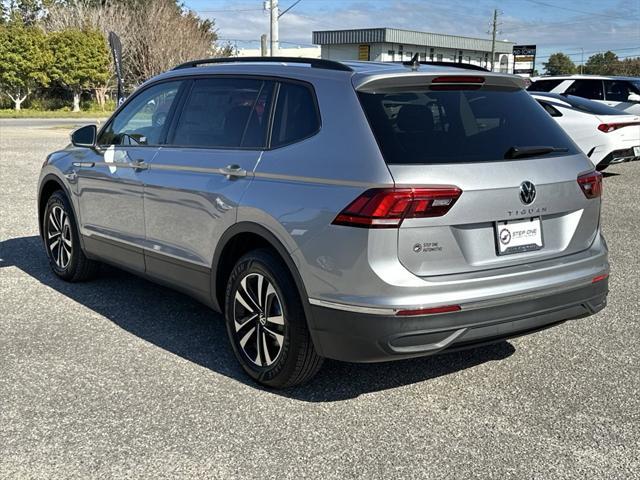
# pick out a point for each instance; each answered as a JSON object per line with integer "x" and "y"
{"x": 270, "y": 338}
{"x": 62, "y": 242}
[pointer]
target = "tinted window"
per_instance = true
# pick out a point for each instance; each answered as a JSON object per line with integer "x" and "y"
{"x": 458, "y": 126}
{"x": 143, "y": 120}
{"x": 617, "y": 90}
{"x": 544, "y": 85}
{"x": 551, "y": 110}
{"x": 224, "y": 113}
{"x": 589, "y": 106}
{"x": 587, "y": 89}
{"x": 296, "y": 115}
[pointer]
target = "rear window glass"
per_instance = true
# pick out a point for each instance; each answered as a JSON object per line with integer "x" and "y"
{"x": 225, "y": 113}
{"x": 459, "y": 126}
{"x": 544, "y": 85}
{"x": 296, "y": 115}
{"x": 587, "y": 89}
{"x": 589, "y": 106}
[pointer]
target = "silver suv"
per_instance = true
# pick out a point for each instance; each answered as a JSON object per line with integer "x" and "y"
{"x": 356, "y": 211}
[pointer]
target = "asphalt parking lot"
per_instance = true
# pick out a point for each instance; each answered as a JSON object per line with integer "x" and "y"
{"x": 122, "y": 378}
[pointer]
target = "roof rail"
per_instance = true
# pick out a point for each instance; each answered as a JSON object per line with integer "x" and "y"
{"x": 465, "y": 66}
{"x": 313, "y": 62}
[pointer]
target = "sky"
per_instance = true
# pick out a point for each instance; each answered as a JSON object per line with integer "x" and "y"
{"x": 553, "y": 25}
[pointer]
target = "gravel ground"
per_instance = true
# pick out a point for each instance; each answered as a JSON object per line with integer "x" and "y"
{"x": 122, "y": 378}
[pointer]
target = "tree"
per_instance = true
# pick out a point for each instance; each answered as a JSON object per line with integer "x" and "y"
{"x": 559, "y": 64}
{"x": 24, "y": 57}
{"x": 629, "y": 67}
{"x": 602, "y": 64}
{"x": 80, "y": 61}
{"x": 148, "y": 30}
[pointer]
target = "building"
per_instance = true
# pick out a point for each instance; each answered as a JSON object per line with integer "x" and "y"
{"x": 392, "y": 44}
{"x": 307, "y": 52}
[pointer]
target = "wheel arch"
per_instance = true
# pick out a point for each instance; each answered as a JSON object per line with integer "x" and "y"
{"x": 50, "y": 184}
{"x": 239, "y": 239}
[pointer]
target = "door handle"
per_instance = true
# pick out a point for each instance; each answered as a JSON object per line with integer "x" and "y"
{"x": 139, "y": 164}
{"x": 233, "y": 171}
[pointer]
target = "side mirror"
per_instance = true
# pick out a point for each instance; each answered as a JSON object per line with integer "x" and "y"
{"x": 85, "y": 136}
{"x": 633, "y": 97}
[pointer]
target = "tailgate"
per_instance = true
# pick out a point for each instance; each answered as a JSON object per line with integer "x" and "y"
{"x": 465, "y": 238}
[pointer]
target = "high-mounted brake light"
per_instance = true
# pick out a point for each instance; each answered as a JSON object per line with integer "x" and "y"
{"x": 591, "y": 184}
{"x": 458, "y": 79}
{"x": 388, "y": 207}
{"x": 611, "y": 127}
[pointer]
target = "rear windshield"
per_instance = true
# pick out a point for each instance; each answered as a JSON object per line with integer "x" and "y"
{"x": 459, "y": 126}
{"x": 589, "y": 106}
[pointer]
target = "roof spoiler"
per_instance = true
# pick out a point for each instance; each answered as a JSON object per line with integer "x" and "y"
{"x": 393, "y": 82}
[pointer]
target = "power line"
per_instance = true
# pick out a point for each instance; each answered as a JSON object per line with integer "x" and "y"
{"x": 595, "y": 14}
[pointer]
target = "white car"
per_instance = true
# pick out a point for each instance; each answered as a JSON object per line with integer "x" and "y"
{"x": 605, "y": 134}
{"x": 622, "y": 93}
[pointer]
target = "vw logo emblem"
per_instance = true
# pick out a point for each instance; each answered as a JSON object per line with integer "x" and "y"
{"x": 527, "y": 192}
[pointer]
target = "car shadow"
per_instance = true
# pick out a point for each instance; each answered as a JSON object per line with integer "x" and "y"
{"x": 609, "y": 174}
{"x": 185, "y": 327}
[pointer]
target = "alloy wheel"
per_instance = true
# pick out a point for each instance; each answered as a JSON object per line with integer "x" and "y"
{"x": 258, "y": 319}
{"x": 59, "y": 238}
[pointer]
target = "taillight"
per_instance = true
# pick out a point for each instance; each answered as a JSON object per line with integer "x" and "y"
{"x": 591, "y": 184}
{"x": 388, "y": 207}
{"x": 610, "y": 127}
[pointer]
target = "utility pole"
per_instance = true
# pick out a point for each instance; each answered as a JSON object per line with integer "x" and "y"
{"x": 273, "y": 11}
{"x": 581, "y": 59}
{"x": 263, "y": 45}
{"x": 494, "y": 30}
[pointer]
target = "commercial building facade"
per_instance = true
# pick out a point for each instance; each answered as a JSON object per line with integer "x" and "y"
{"x": 392, "y": 44}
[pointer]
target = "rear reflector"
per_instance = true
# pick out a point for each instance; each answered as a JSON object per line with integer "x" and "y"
{"x": 599, "y": 278}
{"x": 610, "y": 127}
{"x": 388, "y": 207}
{"x": 591, "y": 184}
{"x": 429, "y": 311}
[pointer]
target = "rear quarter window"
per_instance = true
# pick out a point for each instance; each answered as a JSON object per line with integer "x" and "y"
{"x": 459, "y": 126}
{"x": 296, "y": 115}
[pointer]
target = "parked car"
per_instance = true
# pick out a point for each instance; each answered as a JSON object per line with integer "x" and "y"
{"x": 605, "y": 134}
{"x": 622, "y": 93}
{"x": 355, "y": 211}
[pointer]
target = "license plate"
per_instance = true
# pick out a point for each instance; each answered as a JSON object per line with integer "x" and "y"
{"x": 636, "y": 151}
{"x": 517, "y": 236}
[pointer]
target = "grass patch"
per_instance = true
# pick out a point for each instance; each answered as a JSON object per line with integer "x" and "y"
{"x": 29, "y": 113}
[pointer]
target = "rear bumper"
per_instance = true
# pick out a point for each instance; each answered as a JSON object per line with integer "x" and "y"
{"x": 619, "y": 156}
{"x": 365, "y": 337}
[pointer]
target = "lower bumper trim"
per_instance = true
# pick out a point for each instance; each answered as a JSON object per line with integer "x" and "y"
{"x": 365, "y": 337}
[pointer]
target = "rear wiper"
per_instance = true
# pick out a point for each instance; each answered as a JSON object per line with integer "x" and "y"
{"x": 521, "y": 152}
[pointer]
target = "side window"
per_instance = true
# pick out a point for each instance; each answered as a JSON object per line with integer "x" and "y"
{"x": 551, "y": 110}
{"x": 142, "y": 120}
{"x": 225, "y": 113}
{"x": 616, "y": 90}
{"x": 296, "y": 115}
{"x": 591, "y": 89}
{"x": 544, "y": 85}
